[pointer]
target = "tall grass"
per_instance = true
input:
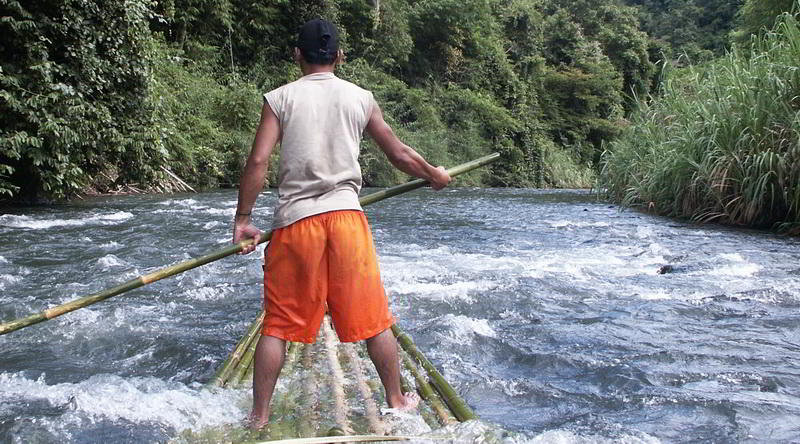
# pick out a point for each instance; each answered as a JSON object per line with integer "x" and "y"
{"x": 561, "y": 170}
{"x": 722, "y": 144}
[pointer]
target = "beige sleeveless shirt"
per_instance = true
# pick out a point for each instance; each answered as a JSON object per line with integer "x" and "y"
{"x": 322, "y": 118}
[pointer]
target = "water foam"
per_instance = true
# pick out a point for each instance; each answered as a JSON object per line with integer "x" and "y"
{"x": 462, "y": 291}
{"x": 110, "y": 261}
{"x": 180, "y": 202}
{"x": 414, "y": 269}
{"x": 8, "y": 279}
{"x": 217, "y": 211}
{"x": 210, "y": 225}
{"x": 185, "y": 205}
{"x": 575, "y": 224}
{"x": 28, "y": 222}
{"x": 139, "y": 400}
{"x": 207, "y": 293}
{"x": 737, "y": 266}
{"x": 569, "y": 437}
{"x": 462, "y": 329}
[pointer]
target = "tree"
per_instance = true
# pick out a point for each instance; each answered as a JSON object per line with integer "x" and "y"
{"x": 697, "y": 29}
{"x": 74, "y": 77}
{"x": 615, "y": 28}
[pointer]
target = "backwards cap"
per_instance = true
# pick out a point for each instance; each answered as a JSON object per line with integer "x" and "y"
{"x": 318, "y": 41}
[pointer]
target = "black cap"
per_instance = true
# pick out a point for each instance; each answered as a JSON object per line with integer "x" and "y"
{"x": 319, "y": 42}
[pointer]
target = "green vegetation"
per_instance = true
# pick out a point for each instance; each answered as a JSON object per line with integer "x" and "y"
{"x": 758, "y": 16}
{"x": 722, "y": 143}
{"x": 101, "y": 95}
{"x": 691, "y": 31}
{"x": 74, "y": 82}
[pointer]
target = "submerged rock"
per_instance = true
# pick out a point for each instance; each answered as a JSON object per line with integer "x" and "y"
{"x": 664, "y": 269}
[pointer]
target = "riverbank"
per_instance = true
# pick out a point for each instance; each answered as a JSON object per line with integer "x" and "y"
{"x": 721, "y": 143}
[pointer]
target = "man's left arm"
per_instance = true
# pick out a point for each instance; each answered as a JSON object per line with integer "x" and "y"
{"x": 252, "y": 180}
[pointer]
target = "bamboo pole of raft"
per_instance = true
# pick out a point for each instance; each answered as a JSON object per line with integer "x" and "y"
{"x": 157, "y": 275}
{"x": 347, "y": 438}
{"x": 428, "y": 393}
{"x": 292, "y": 355}
{"x": 247, "y": 359}
{"x": 457, "y": 405}
{"x": 224, "y": 372}
{"x": 248, "y": 375}
{"x": 305, "y": 422}
{"x": 370, "y": 406}
{"x": 340, "y": 409}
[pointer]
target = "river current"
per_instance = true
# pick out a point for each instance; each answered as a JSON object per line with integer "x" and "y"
{"x": 558, "y": 317}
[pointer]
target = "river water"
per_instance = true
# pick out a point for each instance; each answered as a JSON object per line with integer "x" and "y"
{"x": 545, "y": 309}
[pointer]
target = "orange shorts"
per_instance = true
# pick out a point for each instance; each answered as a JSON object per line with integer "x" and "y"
{"x": 326, "y": 258}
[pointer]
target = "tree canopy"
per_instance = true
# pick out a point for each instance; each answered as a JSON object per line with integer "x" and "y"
{"x": 97, "y": 94}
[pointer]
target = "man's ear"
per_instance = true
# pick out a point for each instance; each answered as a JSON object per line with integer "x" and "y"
{"x": 297, "y": 55}
{"x": 339, "y": 58}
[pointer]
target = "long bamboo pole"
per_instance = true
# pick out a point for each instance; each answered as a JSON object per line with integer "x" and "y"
{"x": 428, "y": 393}
{"x": 140, "y": 281}
{"x": 224, "y": 372}
{"x": 241, "y": 369}
{"x": 457, "y": 405}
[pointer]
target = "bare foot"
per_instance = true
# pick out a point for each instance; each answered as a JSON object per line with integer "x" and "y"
{"x": 410, "y": 401}
{"x": 254, "y": 423}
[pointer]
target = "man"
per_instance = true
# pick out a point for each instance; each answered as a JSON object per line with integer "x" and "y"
{"x": 321, "y": 249}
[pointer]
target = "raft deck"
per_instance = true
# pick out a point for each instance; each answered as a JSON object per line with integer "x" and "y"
{"x": 331, "y": 388}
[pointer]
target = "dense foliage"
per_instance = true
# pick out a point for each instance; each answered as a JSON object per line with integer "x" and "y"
{"x": 687, "y": 30}
{"x": 723, "y": 141}
{"x": 74, "y": 79}
{"x": 100, "y": 95}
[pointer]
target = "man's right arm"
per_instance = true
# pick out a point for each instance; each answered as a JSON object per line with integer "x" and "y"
{"x": 252, "y": 179}
{"x": 402, "y": 156}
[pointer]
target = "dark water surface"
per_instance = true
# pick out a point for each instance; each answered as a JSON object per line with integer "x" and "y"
{"x": 545, "y": 309}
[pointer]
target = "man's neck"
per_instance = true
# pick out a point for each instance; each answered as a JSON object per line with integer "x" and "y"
{"x": 309, "y": 69}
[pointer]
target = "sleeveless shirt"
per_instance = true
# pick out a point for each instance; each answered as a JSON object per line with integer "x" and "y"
{"x": 322, "y": 118}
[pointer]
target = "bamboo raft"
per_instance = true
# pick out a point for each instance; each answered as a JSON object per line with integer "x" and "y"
{"x": 331, "y": 388}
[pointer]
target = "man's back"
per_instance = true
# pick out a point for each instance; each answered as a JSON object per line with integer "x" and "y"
{"x": 322, "y": 118}
{"x": 317, "y": 255}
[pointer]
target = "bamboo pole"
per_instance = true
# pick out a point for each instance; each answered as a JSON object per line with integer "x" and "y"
{"x": 428, "y": 394}
{"x": 347, "y": 438}
{"x": 224, "y": 372}
{"x": 457, "y": 405}
{"x": 419, "y": 183}
{"x": 292, "y": 355}
{"x": 370, "y": 406}
{"x": 340, "y": 407}
{"x": 283, "y": 419}
{"x": 247, "y": 359}
{"x": 248, "y": 375}
{"x": 305, "y": 423}
{"x": 429, "y": 415}
{"x": 140, "y": 281}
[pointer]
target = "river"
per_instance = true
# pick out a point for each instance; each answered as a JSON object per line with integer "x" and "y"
{"x": 545, "y": 309}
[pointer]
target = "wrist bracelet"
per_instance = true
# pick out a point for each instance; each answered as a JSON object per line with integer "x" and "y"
{"x": 243, "y": 214}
